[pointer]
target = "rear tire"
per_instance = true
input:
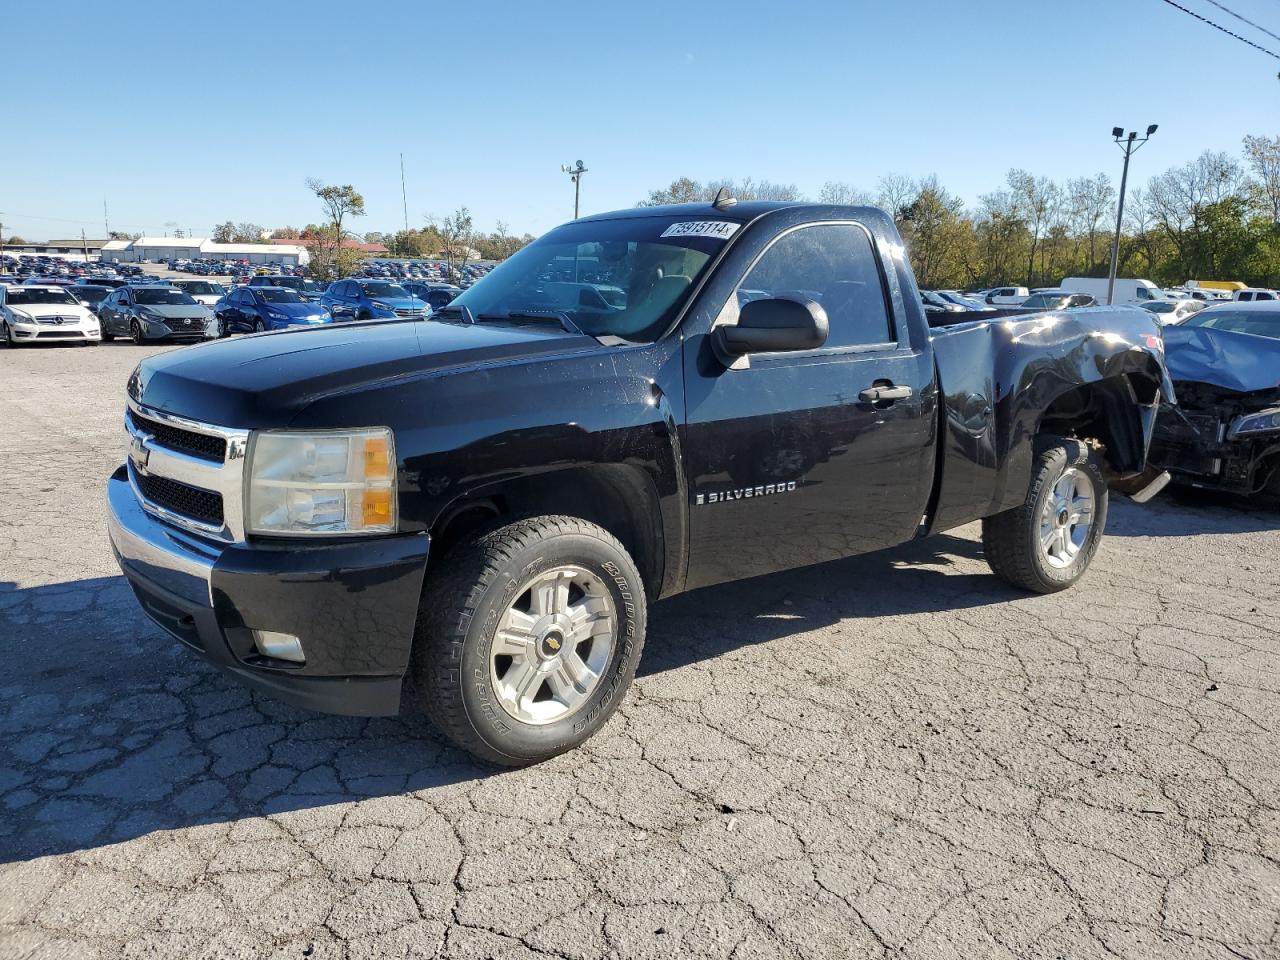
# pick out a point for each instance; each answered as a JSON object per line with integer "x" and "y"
{"x": 1047, "y": 543}
{"x": 528, "y": 638}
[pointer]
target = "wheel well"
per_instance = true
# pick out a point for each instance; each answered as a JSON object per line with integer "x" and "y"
{"x": 1106, "y": 411}
{"x": 618, "y": 498}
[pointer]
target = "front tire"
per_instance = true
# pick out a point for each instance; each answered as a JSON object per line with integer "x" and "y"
{"x": 8, "y": 335}
{"x": 1047, "y": 543}
{"x": 529, "y": 638}
{"x": 135, "y": 333}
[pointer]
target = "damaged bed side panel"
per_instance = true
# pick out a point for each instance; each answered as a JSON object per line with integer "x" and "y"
{"x": 999, "y": 378}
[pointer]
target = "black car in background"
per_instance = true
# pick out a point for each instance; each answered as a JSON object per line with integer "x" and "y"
{"x": 307, "y": 289}
{"x": 91, "y": 294}
{"x": 436, "y": 295}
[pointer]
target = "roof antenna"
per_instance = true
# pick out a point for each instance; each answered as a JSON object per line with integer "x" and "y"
{"x": 724, "y": 198}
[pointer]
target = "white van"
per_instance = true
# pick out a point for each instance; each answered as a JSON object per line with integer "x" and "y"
{"x": 1254, "y": 293}
{"x": 1127, "y": 290}
{"x": 1007, "y": 296}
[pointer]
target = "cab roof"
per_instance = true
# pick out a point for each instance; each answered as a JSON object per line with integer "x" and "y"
{"x": 742, "y": 211}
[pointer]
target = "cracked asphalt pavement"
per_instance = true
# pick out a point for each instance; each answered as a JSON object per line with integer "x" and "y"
{"x": 894, "y": 755}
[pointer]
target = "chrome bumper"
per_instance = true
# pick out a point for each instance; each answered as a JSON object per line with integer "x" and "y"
{"x": 181, "y": 564}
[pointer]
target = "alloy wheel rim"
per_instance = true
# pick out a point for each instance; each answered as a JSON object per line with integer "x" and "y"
{"x": 1065, "y": 519}
{"x": 552, "y": 645}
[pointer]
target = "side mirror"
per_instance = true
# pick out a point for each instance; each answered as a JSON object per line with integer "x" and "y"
{"x": 776, "y": 324}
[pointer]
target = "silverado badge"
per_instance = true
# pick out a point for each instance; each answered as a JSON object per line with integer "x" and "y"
{"x": 741, "y": 493}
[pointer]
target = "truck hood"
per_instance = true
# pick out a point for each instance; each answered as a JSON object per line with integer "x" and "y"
{"x": 1241, "y": 362}
{"x": 265, "y": 380}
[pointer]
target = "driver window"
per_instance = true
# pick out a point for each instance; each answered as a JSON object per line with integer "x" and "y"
{"x": 834, "y": 264}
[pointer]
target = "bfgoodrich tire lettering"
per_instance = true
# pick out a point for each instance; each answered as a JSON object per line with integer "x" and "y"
{"x": 475, "y": 587}
{"x": 1047, "y": 543}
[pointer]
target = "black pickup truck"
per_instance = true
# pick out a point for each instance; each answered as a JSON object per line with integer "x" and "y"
{"x": 637, "y": 404}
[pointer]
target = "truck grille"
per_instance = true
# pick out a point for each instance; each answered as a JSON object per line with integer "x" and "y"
{"x": 202, "y": 505}
{"x": 213, "y": 449}
{"x": 188, "y": 473}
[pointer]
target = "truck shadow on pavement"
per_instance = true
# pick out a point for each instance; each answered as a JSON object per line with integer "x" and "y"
{"x": 110, "y": 730}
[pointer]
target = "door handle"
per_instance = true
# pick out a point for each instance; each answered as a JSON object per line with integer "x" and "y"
{"x": 878, "y": 394}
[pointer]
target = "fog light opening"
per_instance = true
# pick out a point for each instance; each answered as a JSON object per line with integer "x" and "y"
{"x": 282, "y": 646}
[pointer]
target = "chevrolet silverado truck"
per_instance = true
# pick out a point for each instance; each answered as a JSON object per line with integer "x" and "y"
{"x": 482, "y": 505}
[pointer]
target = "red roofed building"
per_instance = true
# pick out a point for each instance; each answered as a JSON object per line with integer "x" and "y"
{"x": 374, "y": 249}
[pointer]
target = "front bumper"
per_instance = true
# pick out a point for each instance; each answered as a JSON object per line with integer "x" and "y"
{"x": 1195, "y": 449}
{"x": 53, "y": 333}
{"x": 353, "y": 604}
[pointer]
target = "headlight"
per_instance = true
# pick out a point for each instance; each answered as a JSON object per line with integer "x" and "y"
{"x": 1264, "y": 422}
{"x": 379, "y": 305}
{"x": 19, "y": 317}
{"x": 336, "y": 482}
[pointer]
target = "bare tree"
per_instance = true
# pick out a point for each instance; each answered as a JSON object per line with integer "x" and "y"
{"x": 1036, "y": 198}
{"x": 894, "y": 193}
{"x": 844, "y": 194}
{"x": 1262, "y": 154}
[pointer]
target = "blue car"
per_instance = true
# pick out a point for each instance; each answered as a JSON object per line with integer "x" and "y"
{"x": 365, "y": 299}
{"x": 255, "y": 309}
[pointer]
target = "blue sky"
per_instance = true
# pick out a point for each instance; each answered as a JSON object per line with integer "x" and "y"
{"x": 198, "y": 113}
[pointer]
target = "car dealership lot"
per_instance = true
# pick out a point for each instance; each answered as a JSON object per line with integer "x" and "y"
{"x": 829, "y": 762}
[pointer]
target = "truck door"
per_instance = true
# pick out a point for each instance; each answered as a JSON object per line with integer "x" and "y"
{"x": 789, "y": 459}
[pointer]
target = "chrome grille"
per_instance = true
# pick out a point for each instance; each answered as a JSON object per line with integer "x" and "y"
{"x": 410, "y": 312}
{"x": 200, "y": 445}
{"x": 204, "y": 506}
{"x": 188, "y": 473}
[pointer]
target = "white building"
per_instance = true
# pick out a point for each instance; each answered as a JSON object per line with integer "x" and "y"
{"x": 157, "y": 249}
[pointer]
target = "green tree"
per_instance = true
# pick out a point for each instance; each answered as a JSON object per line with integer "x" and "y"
{"x": 329, "y": 255}
{"x": 456, "y": 230}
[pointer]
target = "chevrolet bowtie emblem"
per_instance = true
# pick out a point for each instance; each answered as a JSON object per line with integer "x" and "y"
{"x": 553, "y": 643}
{"x": 139, "y": 453}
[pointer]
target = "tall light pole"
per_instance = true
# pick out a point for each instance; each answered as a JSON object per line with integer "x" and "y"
{"x": 1129, "y": 143}
{"x": 575, "y": 172}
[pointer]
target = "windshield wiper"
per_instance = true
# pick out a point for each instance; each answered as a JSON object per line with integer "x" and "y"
{"x": 540, "y": 315}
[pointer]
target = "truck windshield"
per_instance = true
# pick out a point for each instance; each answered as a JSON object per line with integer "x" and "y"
{"x": 626, "y": 278}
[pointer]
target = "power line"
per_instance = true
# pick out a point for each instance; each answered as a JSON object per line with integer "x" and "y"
{"x": 1218, "y": 26}
{"x": 1244, "y": 20}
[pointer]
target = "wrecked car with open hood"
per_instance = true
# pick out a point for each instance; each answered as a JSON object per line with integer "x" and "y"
{"x": 1225, "y": 432}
